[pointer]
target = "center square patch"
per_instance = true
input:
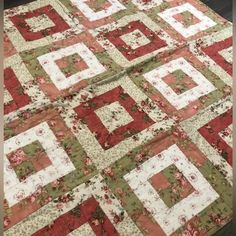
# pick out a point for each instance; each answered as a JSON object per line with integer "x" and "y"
{"x": 187, "y": 19}
{"x": 88, "y": 209}
{"x": 169, "y": 187}
{"x": 180, "y": 84}
{"x": 39, "y": 23}
{"x": 42, "y": 160}
{"x": 69, "y": 65}
{"x": 133, "y": 39}
{"x": 112, "y": 118}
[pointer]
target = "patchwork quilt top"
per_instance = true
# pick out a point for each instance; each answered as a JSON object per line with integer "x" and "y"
{"x": 118, "y": 118}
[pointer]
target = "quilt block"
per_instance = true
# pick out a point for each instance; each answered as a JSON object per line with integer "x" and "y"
{"x": 93, "y": 14}
{"x": 68, "y": 65}
{"x": 38, "y": 24}
{"x": 211, "y": 130}
{"x": 187, "y": 20}
{"x": 43, "y": 159}
{"x": 180, "y": 84}
{"x": 133, "y": 39}
{"x": 216, "y": 52}
{"x": 161, "y": 184}
{"x": 112, "y": 119}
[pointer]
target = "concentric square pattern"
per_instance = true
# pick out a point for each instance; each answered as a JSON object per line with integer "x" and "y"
{"x": 170, "y": 219}
{"x": 39, "y": 23}
{"x": 129, "y": 125}
{"x": 118, "y": 118}
{"x": 202, "y": 21}
{"x": 93, "y": 66}
{"x": 16, "y": 190}
{"x": 203, "y": 86}
{"x": 118, "y": 39}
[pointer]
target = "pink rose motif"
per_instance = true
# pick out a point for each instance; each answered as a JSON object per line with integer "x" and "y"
{"x": 32, "y": 198}
{"x": 20, "y": 195}
{"x": 175, "y": 118}
{"x": 188, "y": 233}
{"x": 17, "y": 157}
{"x": 96, "y": 222}
{"x": 108, "y": 171}
{"x": 178, "y": 175}
{"x": 119, "y": 191}
{"x": 145, "y": 86}
{"x": 88, "y": 161}
{"x": 175, "y": 159}
{"x": 6, "y": 221}
{"x": 59, "y": 206}
{"x": 55, "y": 183}
{"x": 60, "y": 134}
{"x": 139, "y": 157}
{"x": 107, "y": 199}
{"x": 174, "y": 190}
{"x": 183, "y": 182}
{"x": 41, "y": 80}
{"x": 86, "y": 172}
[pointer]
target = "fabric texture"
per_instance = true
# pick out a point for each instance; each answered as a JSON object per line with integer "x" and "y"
{"x": 117, "y": 118}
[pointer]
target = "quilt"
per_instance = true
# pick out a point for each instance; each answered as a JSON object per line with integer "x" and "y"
{"x": 117, "y": 118}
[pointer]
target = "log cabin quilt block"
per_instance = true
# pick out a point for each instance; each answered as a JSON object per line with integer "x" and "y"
{"x": 180, "y": 84}
{"x": 187, "y": 19}
{"x": 133, "y": 39}
{"x": 68, "y": 65}
{"x": 117, "y": 118}
{"x": 93, "y": 13}
{"x": 161, "y": 184}
{"x": 112, "y": 119}
{"x": 43, "y": 159}
{"x": 39, "y": 23}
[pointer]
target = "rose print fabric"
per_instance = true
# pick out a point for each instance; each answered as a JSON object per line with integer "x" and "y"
{"x": 117, "y": 118}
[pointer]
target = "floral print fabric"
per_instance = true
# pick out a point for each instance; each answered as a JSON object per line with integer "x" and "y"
{"x": 118, "y": 118}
